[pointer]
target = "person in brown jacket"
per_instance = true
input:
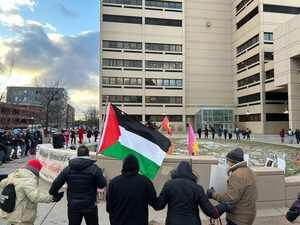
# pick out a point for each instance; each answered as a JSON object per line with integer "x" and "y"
{"x": 241, "y": 190}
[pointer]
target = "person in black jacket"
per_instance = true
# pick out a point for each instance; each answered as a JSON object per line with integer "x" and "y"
{"x": 129, "y": 194}
{"x": 294, "y": 210}
{"x": 183, "y": 196}
{"x": 83, "y": 178}
{"x": 27, "y": 141}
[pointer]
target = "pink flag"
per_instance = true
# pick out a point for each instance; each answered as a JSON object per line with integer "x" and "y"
{"x": 192, "y": 142}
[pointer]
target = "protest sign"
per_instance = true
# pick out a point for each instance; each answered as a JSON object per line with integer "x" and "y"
{"x": 269, "y": 162}
{"x": 246, "y": 158}
{"x": 281, "y": 164}
{"x": 218, "y": 178}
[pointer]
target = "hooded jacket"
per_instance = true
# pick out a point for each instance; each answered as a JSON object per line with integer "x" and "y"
{"x": 83, "y": 178}
{"x": 129, "y": 194}
{"x": 183, "y": 196}
{"x": 294, "y": 211}
{"x": 242, "y": 190}
{"x": 27, "y": 196}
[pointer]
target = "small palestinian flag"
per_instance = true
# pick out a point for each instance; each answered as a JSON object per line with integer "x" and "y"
{"x": 123, "y": 135}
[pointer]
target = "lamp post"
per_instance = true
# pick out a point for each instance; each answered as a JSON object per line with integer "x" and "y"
{"x": 32, "y": 118}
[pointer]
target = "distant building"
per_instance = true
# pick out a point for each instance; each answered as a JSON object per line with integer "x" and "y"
{"x": 19, "y": 116}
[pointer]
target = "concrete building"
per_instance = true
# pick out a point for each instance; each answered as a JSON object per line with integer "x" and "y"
{"x": 209, "y": 63}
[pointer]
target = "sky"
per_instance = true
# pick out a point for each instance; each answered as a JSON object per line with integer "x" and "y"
{"x": 52, "y": 38}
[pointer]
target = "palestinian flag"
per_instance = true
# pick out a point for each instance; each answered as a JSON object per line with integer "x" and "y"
{"x": 123, "y": 135}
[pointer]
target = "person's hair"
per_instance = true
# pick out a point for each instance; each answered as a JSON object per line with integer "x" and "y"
{"x": 83, "y": 151}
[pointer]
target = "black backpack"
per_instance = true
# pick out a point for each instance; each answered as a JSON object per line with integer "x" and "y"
{"x": 8, "y": 198}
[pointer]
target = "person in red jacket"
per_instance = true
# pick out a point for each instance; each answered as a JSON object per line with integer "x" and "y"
{"x": 80, "y": 133}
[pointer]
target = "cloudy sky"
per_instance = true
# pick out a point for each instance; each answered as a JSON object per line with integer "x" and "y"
{"x": 52, "y": 38}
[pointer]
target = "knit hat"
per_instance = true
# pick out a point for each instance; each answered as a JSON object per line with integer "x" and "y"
{"x": 235, "y": 155}
{"x": 36, "y": 164}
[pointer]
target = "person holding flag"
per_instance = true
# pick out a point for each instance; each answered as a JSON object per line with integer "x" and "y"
{"x": 166, "y": 124}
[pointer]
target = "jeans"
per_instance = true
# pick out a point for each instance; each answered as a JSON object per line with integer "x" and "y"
{"x": 8, "y": 152}
{"x": 238, "y": 137}
{"x": 22, "y": 149}
{"x": 282, "y": 139}
{"x": 229, "y": 222}
{"x": 1, "y": 155}
{"x": 90, "y": 216}
{"x": 73, "y": 139}
{"x": 15, "y": 152}
{"x": 291, "y": 139}
{"x": 96, "y": 138}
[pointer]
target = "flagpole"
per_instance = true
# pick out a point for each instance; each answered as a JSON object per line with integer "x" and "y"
{"x": 103, "y": 119}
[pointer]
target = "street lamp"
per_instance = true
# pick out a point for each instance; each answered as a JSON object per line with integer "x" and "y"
{"x": 32, "y": 118}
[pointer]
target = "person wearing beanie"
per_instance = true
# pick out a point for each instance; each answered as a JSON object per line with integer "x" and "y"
{"x": 28, "y": 194}
{"x": 83, "y": 178}
{"x": 241, "y": 190}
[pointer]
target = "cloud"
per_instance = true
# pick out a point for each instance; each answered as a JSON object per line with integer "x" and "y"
{"x": 11, "y": 20}
{"x": 14, "y": 5}
{"x": 66, "y": 12}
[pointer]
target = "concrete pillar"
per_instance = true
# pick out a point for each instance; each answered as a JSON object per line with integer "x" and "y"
{"x": 294, "y": 94}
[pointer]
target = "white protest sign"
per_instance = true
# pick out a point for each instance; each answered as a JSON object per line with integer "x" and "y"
{"x": 218, "y": 178}
{"x": 281, "y": 164}
{"x": 269, "y": 162}
{"x": 246, "y": 158}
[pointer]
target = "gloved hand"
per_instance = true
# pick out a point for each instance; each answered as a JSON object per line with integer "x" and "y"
{"x": 57, "y": 197}
{"x": 209, "y": 192}
{"x": 229, "y": 205}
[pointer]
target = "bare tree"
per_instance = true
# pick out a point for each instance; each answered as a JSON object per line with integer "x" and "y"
{"x": 5, "y": 73}
{"x": 91, "y": 117}
{"x": 53, "y": 98}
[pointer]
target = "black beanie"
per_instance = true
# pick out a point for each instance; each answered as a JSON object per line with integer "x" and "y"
{"x": 235, "y": 155}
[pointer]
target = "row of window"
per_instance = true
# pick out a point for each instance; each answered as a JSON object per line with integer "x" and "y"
{"x": 122, "y": 63}
{"x": 249, "y": 98}
{"x": 281, "y": 9}
{"x": 277, "y": 117}
{"x": 163, "y": 99}
{"x": 269, "y": 74}
{"x": 159, "y": 118}
{"x": 122, "y": 45}
{"x": 138, "y": 81}
{"x": 163, "y": 82}
{"x": 276, "y": 96}
{"x": 248, "y": 62}
{"x": 138, "y": 20}
{"x": 249, "y": 80}
{"x": 122, "y": 98}
{"x": 248, "y": 43}
{"x": 124, "y": 2}
{"x": 122, "y": 80}
{"x": 163, "y": 47}
{"x": 248, "y": 17}
{"x": 268, "y": 36}
{"x": 249, "y": 118}
{"x": 163, "y": 64}
{"x": 269, "y": 56}
{"x": 241, "y": 5}
{"x": 164, "y": 4}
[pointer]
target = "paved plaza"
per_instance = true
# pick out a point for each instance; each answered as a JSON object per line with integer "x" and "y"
{"x": 58, "y": 215}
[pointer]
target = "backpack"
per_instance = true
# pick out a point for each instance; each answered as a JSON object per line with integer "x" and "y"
{"x": 8, "y": 198}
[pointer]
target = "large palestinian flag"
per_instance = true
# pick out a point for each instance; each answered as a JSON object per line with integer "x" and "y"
{"x": 123, "y": 135}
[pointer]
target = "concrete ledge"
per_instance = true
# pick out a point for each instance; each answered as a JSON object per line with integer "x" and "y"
{"x": 292, "y": 187}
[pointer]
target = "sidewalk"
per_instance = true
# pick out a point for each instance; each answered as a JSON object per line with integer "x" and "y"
{"x": 58, "y": 215}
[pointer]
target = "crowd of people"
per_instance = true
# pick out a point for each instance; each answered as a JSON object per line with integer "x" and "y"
{"x": 245, "y": 132}
{"x": 291, "y": 135}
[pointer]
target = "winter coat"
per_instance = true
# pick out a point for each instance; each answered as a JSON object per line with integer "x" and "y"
{"x": 129, "y": 194}
{"x": 294, "y": 211}
{"x": 80, "y": 133}
{"x": 89, "y": 134}
{"x": 282, "y": 134}
{"x": 219, "y": 132}
{"x": 242, "y": 190}
{"x": 297, "y": 134}
{"x": 83, "y": 178}
{"x": 183, "y": 196}
{"x": 27, "y": 197}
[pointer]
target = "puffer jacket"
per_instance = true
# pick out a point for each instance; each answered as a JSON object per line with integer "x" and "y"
{"x": 242, "y": 190}
{"x": 183, "y": 196}
{"x": 27, "y": 196}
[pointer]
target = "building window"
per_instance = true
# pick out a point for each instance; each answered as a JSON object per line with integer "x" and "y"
{"x": 124, "y": 2}
{"x": 163, "y": 99}
{"x": 269, "y": 56}
{"x": 164, "y": 4}
{"x": 249, "y": 98}
{"x": 248, "y": 17}
{"x": 122, "y": 81}
{"x": 122, "y": 63}
{"x": 269, "y": 74}
{"x": 163, "y": 22}
{"x": 281, "y": 9}
{"x": 241, "y": 4}
{"x": 276, "y": 96}
{"x": 163, "y": 65}
{"x": 248, "y": 62}
{"x": 249, "y": 80}
{"x": 247, "y": 44}
{"x": 163, "y": 47}
{"x": 249, "y": 118}
{"x": 277, "y": 117}
{"x": 122, "y": 19}
{"x": 122, "y": 98}
{"x": 122, "y": 45}
{"x": 162, "y": 82}
{"x": 159, "y": 118}
{"x": 268, "y": 36}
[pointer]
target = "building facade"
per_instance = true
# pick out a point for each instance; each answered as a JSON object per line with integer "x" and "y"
{"x": 199, "y": 62}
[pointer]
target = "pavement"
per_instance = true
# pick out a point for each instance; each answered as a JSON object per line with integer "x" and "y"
{"x": 58, "y": 214}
